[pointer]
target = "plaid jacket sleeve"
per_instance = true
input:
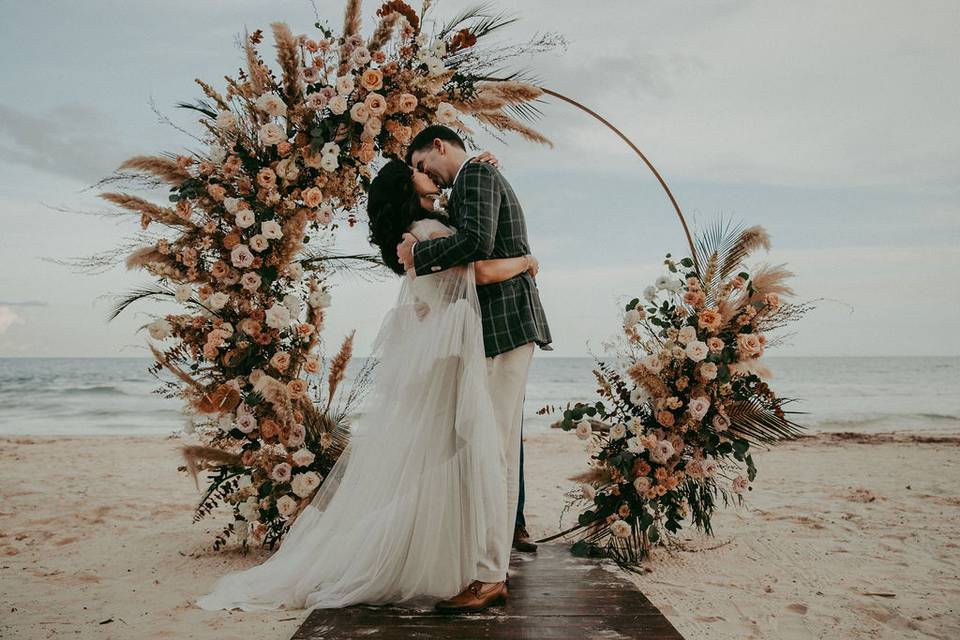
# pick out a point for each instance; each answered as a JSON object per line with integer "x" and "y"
{"x": 478, "y": 202}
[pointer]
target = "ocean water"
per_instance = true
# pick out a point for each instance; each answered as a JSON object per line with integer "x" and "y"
{"x": 115, "y": 395}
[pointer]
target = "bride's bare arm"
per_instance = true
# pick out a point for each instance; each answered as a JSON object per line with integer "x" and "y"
{"x": 500, "y": 269}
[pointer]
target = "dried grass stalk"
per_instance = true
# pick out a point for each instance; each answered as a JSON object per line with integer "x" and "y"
{"x": 259, "y": 80}
{"x": 770, "y": 279}
{"x": 161, "y": 167}
{"x": 504, "y": 122}
{"x": 155, "y": 212}
{"x": 213, "y": 94}
{"x": 288, "y": 55}
{"x": 383, "y": 33}
{"x": 338, "y": 368}
{"x": 750, "y": 240}
{"x": 351, "y": 26}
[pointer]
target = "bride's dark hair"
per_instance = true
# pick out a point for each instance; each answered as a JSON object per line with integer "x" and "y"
{"x": 392, "y": 206}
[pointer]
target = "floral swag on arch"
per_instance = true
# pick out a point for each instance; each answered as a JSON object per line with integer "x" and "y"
{"x": 246, "y": 246}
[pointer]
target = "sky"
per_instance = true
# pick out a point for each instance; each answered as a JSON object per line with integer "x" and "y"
{"x": 834, "y": 124}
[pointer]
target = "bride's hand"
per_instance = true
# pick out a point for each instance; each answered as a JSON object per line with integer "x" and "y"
{"x": 487, "y": 157}
{"x": 534, "y": 267}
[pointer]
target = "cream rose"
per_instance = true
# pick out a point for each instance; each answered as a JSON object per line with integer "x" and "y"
{"x": 258, "y": 243}
{"x": 687, "y": 334}
{"x": 271, "y": 134}
{"x": 749, "y": 345}
{"x": 241, "y": 256}
{"x": 698, "y": 407}
{"x": 271, "y": 230}
{"x": 584, "y": 429}
{"x": 696, "y": 350}
{"x": 446, "y": 113}
{"x": 304, "y": 484}
{"x": 620, "y": 529}
{"x": 338, "y": 105}
{"x": 407, "y": 102}
{"x": 708, "y": 371}
{"x": 303, "y": 457}
{"x": 271, "y": 104}
{"x": 226, "y": 121}
{"x": 344, "y": 85}
{"x": 286, "y": 506}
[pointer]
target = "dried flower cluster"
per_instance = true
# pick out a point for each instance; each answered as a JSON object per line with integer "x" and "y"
{"x": 289, "y": 157}
{"x": 675, "y": 422}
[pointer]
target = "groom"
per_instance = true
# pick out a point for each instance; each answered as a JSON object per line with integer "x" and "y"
{"x": 490, "y": 224}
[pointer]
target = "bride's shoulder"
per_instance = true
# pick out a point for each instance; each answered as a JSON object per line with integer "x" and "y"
{"x": 422, "y": 229}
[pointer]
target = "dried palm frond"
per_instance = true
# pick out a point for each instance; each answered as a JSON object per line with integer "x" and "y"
{"x": 201, "y": 106}
{"x": 288, "y": 55}
{"x": 384, "y": 31}
{"x": 165, "y": 168}
{"x": 504, "y": 122}
{"x": 195, "y": 454}
{"x": 756, "y": 422}
{"x": 135, "y": 296}
{"x": 338, "y": 368}
{"x": 164, "y": 215}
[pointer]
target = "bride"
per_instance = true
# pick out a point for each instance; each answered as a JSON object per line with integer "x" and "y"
{"x": 412, "y": 509}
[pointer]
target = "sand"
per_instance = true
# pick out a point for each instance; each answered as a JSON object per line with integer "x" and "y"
{"x": 843, "y": 537}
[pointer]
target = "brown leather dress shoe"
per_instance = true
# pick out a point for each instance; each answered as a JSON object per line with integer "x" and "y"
{"x": 522, "y": 542}
{"x": 476, "y": 597}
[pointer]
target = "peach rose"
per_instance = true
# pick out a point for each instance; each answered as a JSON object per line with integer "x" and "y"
{"x": 280, "y": 360}
{"x": 312, "y": 197}
{"x": 407, "y": 103}
{"x": 715, "y": 345}
{"x": 184, "y": 209}
{"x": 266, "y": 178}
{"x": 366, "y": 152}
{"x": 297, "y": 387}
{"x": 269, "y": 428}
{"x": 304, "y": 329}
{"x": 371, "y": 80}
{"x": 709, "y": 319}
{"x": 666, "y": 418}
{"x": 312, "y": 365}
{"x": 749, "y": 345}
{"x": 376, "y": 104}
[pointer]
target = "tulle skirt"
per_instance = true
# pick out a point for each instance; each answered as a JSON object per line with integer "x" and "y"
{"x": 413, "y": 504}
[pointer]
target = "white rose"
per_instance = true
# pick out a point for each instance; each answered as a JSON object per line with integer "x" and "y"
{"x": 687, "y": 333}
{"x": 435, "y": 66}
{"x": 721, "y": 422}
{"x": 584, "y": 429}
{"x": 272, "y": 104}
{"x": 652, "y": 364}
{"x": 330, "y": 149}
{"x": 697, "y": 350}
{"x": 638, "y": 396}
{"x": 295, "y": 271}
{"x": 634, "y": 446}
{"x": 271, "y": 229}
{"x": 360, "y": 56}
{"x": 588, "y": 491}
{"x": 319, "y": 299}
{"x": 674, "y": 285}
{"x": 698, "y": 407}
{"x": 662, "y": 452}
{"x": 277, "y": 316}
{"x": 631, "y": 318}
{"x": 338, "y": 105}
{"x": 650, "y": 293}
{"x": 618, "y": 431}
{"x": 636, "y": 425}
{"x": 641, "y": 484}
{"x": 286, "y": 506}
{"x": 217, "y": 154}
{"x": 304, "y": 484}
{"x": 329, "y": 163}
{"x": 226, "y": 120}
{"x": 292, "y": 303}
{"x": 708, "y": 371}
{"x": 183, "y": 292}
{"x": 232, "y": 205}
{"x": 218, "y": 300}
{"x": 249, "y": 508}
{"x": 246, "y": 422}
{"x": 159, "y": 329}
{"x": 359, "y": 113}
{"x": 345, "y": 86}
{"x": 439, "y": 48}
{"x": 303, "y": 457}
{"x": 271, "y": 134}
{"x": 245, "y": 218}
{"x": 446, "y": 113}
{"x": 620, "y": 529}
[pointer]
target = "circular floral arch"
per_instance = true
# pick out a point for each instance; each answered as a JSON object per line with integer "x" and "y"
{"x": 246, "y": 244}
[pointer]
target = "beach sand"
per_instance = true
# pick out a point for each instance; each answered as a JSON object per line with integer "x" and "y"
{"x": 842, "y": 537}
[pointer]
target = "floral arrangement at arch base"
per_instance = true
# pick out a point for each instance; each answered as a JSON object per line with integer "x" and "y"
{"x": 677, "y": 418}
{"x": 245, "y": 241}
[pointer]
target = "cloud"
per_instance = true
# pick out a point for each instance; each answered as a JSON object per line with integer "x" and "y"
{"x": 8, "y": 318}
{"x": 25, "y": 303}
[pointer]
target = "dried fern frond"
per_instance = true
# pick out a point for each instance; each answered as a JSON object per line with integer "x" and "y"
{"x": 164, "y": 168}
{"x": 288, "y": 55}
{"x": 338, "y": 367}
{"x": 504, "y": 122}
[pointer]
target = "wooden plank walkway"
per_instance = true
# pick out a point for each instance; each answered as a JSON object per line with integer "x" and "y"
{"x": 553, "y": 595}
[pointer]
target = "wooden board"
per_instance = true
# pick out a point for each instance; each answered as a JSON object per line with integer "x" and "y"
{"x": 553, "y": 595}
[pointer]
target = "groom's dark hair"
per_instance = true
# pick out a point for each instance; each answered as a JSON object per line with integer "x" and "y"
{"x": 426, "y": 137}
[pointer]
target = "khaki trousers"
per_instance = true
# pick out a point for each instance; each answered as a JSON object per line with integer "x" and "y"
{"x": 507, "y": 380}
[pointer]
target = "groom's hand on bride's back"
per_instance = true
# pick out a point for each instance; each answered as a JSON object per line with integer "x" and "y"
{"x": 405, "y": 250}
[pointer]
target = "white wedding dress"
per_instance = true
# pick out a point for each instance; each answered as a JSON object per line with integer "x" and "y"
{"x": 414, "y": 502}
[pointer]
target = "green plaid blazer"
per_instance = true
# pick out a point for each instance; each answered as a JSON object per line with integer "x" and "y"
{"x": 490, "y": 224}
